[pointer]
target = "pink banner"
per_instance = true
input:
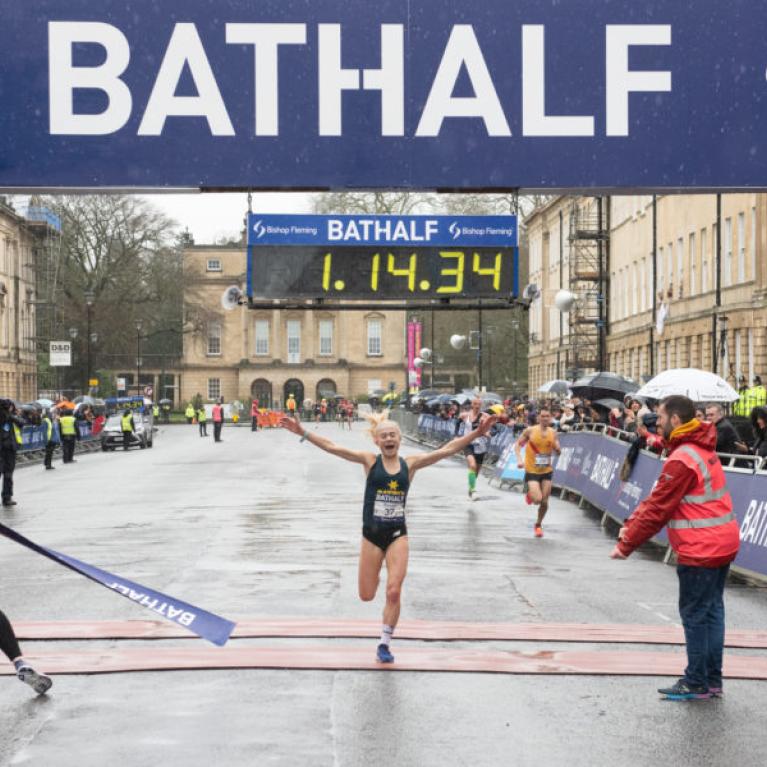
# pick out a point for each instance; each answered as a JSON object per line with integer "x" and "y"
{"x": 418, "y": 341}
{"x": 411, "y": 353}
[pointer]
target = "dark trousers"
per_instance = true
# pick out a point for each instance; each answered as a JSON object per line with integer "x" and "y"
{"x": 49, "y": 448}
{"x": 126, "y": 439}
{"x": 8, "y": 643}
{"x": 217, "y": 430}
{"x": 68, "y": 448}
{"x": 701, "y": 607}
{"x": 7, "y": 466}
{"x": 254, "y": 423}
{"x": 203, "y": 428}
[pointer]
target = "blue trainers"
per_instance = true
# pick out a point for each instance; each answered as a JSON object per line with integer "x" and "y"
{"x": 383, "y": 654}
{"x": 683, "y": 691}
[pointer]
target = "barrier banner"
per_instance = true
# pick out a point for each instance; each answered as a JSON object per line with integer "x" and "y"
{"x": 590, "y": 465}
{"x": 204, "y": 624}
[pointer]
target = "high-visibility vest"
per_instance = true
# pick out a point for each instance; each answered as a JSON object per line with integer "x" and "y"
{"x": 202, "y": 416}
{"x": 48, "y": 428}
{"x": 190, "y": 412}
{"x": 67, "y": 423}
{"x": 127, "y": 423}
{"x": 704, "y": 525}
{"x": 742, "y": 407}
{"x": 156, "y": 411}
{"x": 17, "y": 434}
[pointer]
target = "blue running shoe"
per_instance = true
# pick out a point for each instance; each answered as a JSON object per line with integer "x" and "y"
{"x": 683, "y": 691}
{"x": 383, "y": 654}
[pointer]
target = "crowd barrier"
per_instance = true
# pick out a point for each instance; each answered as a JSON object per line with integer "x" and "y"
{"x": 590, "y": 466}
{"x": 34, "y": 437}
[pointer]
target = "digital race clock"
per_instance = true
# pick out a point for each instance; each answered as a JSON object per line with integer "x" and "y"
{"x": 382, "y": 258}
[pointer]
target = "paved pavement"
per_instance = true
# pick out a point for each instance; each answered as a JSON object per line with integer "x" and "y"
{"x": 262, "y": 526}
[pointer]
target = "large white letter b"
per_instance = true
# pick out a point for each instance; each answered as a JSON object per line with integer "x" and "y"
{"x": 64, "y": 77}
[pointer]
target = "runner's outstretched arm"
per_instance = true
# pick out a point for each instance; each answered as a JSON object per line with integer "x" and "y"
{"x": 355, "y": 456}
{"x": 519, "y": 444}
{"x": 416, "y": 462}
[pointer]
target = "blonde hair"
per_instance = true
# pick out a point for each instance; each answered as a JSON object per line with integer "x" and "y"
{"x": 376, "y": 420}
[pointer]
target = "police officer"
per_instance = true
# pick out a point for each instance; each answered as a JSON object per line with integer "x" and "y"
{"x": 202, "y": 420}
{"x": 10, "y": 440}
{"x": 189, "y": 413}
{"x": 51, "y": 439}
{"x": 69, "y": 435}
{"x": 155, "y": 411}
{"x": 128, "y": 428}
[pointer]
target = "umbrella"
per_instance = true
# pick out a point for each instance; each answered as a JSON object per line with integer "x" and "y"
{"x": 608, "y": 404}
{"x": 85, "y": 399}
{"x": 442, "y": 399}
{"x": 461, "y": 399}
{"x": 557, "y": 387}
{"x": 601, "y": 385}
{"x": 46, "y": 403}
{"x": 36, "y": 406}
{"x": 698, "y": 385}
{"x": 166, "y": 402}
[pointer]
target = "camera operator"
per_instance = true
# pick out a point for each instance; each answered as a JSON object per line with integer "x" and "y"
{"x": 10, "y": 440}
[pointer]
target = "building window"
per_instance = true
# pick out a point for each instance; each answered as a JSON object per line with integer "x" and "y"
{"x": 326, "y": 338}
{"x": 661, "y": 286}
{"x": 374, "y": 338}
{"x": 214, "y": 338}
{"x": 294, "y": 341}
{"x": 703, "y": 261}
{"x": 214, "y": 388}
{"x": 753, "y": 247}
{"x": 727, "y": 276}
{"x": 741, "y": 247}
{"x": 738, "y": 358}
{"x": 693, "y": 265}
{"x": 680, "y": 265}
{"x": 262, "y": 338}
{"x": 214, "y": 265}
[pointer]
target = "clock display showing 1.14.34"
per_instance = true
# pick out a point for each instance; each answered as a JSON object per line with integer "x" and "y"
{"x": 383, "y": 272}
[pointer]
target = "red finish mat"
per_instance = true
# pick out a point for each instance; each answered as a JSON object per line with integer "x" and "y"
{"x": 408, "y": 629}
{"x": 356, "y": 658}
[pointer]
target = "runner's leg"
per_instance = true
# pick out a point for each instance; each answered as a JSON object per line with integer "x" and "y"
{"x": 471, "y": 463}
{"x": 371, "y": 560}
{"x": 545, "y": 487}
{"x": 10, "y": 646}
{"x": 396, "y": 569}
{"x": 8, "y": 643}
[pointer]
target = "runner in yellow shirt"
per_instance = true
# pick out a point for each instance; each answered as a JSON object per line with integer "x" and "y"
{"x": 540, "y": 443}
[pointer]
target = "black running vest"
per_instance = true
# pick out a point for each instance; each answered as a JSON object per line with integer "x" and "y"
{"x": 385, "y": 495}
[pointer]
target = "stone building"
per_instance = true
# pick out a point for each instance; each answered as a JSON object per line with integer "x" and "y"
{"x": 19, "y": 237}
{"x": 705, "y": 309}
{"x": 270, "y": 354}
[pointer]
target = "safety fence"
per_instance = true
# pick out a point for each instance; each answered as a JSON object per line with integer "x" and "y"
{"x": 590, "y": 467}
{"x": 34, "y": 438}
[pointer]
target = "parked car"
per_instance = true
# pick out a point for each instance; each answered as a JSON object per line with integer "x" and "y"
{"x": 112, "y": 435}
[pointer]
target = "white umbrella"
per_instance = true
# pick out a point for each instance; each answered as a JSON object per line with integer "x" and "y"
{"x": 560, "y": 388}
{"x": 698, "y": 385}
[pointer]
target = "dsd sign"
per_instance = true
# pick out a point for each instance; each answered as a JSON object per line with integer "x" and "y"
{"x": 399, "y": 93}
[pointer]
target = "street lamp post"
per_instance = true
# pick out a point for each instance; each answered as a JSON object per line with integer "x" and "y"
{"x": 89, "y": 299}
{"x": 73, "y": 336}
{"x": 139, "y": 325}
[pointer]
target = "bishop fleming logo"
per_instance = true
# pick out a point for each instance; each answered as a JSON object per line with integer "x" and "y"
{"x": 455, "y": 230}
{"x": 259, "y": 229}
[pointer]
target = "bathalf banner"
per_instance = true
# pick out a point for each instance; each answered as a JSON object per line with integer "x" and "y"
{"x": 590, "y": 465}
{"x": 350, "y": 94}
{"x": 200, "y": 622}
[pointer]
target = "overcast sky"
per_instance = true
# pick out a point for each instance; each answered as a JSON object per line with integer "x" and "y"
{"x": 211, "y": 216}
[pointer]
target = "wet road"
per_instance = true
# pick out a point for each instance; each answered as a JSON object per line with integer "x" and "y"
{"x": 262, "y": 526}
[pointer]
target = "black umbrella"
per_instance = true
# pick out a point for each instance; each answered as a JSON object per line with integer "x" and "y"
{"x": 442, "y": 399}
{"x": 608, "y": 404}
{"x": 598, "y": 386}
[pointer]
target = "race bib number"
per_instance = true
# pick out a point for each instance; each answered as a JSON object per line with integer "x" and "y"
{"x": 389, "y": 507}
{"x": 543, "y": 460}
{"x": 480, "y": 445}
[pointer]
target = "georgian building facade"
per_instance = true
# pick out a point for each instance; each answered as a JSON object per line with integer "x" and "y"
{"x": 243, "y": 353}
{"x": 696, "y": 329}
{"x": 18, "y": 356}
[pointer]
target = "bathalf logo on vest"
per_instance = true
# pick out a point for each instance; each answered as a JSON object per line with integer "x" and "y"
{"x": 753, "y": 528}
